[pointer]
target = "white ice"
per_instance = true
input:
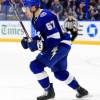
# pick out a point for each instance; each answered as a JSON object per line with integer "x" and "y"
{"x": 17, "y": 82}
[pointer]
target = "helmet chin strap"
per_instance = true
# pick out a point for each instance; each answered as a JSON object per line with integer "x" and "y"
{"x": 37, "y": 8}
{"x": 34, "y": 20}
{"x": 36, "y": 13}
{"x": 35, "y": 17}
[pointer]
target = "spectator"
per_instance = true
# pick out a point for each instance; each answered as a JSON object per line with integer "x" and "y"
{"x": 46, "y": 4}
{"x": 81, "y": 11}
{"x": 60, "y": 7}
{"x": 57, "y": 8}
{"x": 1, "y": 6}
{"x": 93, "y": 13}
{"x": 65, "y": 15}
{"x": 98, "y": 9}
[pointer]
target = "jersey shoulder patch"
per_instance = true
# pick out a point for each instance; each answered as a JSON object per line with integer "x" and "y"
{"x": 43, "y": 14}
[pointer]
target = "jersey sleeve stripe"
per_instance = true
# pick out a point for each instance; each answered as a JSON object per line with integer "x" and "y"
{"x": 55, "y": 36}
{"x": 68, "y": 42}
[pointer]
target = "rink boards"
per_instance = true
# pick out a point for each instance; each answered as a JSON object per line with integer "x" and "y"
{"x": 11, "y": 31}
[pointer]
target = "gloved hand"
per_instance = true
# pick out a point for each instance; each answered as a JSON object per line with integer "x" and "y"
{"x": 35, "y": 45}
{"x": 24, "y": 42}
{"x": 32, "y": 44}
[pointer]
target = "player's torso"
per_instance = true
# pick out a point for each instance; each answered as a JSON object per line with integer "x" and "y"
{"x": 45, "y": 23}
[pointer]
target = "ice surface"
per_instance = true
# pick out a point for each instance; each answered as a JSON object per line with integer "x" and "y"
{"x": 18, "y": 83}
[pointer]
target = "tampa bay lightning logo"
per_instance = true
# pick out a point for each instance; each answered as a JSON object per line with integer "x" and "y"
{"x": 92, "y": 30}
{"x": 43, "y": 14}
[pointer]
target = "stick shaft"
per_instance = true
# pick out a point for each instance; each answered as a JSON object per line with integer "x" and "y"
{"x": 21, "y": 23}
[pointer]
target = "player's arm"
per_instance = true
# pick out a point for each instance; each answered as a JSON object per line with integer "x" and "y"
{"x": 74, "y": 35}
{"x": 75, "y": 25}
{"x": 33, "y": 45}
{"x": 75, "y": 29}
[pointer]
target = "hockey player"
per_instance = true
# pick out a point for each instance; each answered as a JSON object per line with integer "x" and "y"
{"x": 54, "y": 46}
{"x": 71, "y": 25}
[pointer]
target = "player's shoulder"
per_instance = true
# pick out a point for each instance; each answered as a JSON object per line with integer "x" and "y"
{"x": 44, "y": 17}
{"x": 74, "y": 18}
{"x": 46, "y": 14}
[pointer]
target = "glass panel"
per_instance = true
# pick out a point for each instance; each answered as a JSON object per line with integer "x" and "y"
{"x": 81, "y": 9}
{"x": 7, "y": 11}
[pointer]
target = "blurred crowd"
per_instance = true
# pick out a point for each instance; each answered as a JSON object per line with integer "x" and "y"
{"x": 81, "y": 9}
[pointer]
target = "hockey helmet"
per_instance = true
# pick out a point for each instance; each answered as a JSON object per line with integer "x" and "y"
{"x": 30, "y": 3}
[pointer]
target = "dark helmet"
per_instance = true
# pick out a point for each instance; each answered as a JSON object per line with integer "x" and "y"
{"x": 31, "y": 3}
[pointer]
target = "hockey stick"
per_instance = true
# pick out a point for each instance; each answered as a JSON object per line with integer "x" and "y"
{"x": 12, "y": 4}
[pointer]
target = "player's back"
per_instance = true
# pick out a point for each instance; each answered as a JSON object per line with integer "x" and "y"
{"x": 48, "y": 26}
{"x": 47, "y": 23}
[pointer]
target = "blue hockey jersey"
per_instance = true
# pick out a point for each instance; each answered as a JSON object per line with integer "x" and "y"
{"x": 48, "y": 26}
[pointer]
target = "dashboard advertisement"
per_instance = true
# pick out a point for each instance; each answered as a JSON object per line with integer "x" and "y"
{"x": 89, "y": 31}
{"x": 12, "y": 30}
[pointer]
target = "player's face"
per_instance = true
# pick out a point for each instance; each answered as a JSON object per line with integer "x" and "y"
{"x": 70, "y": 17}
{"x": 33, "y": 9}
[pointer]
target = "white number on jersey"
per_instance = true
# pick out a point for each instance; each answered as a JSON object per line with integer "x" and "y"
{"x": 50, "y": 25}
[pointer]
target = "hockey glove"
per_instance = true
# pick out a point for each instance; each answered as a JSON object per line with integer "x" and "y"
{"x": 35, "y": 45}
{"x": 24, "y": 42}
